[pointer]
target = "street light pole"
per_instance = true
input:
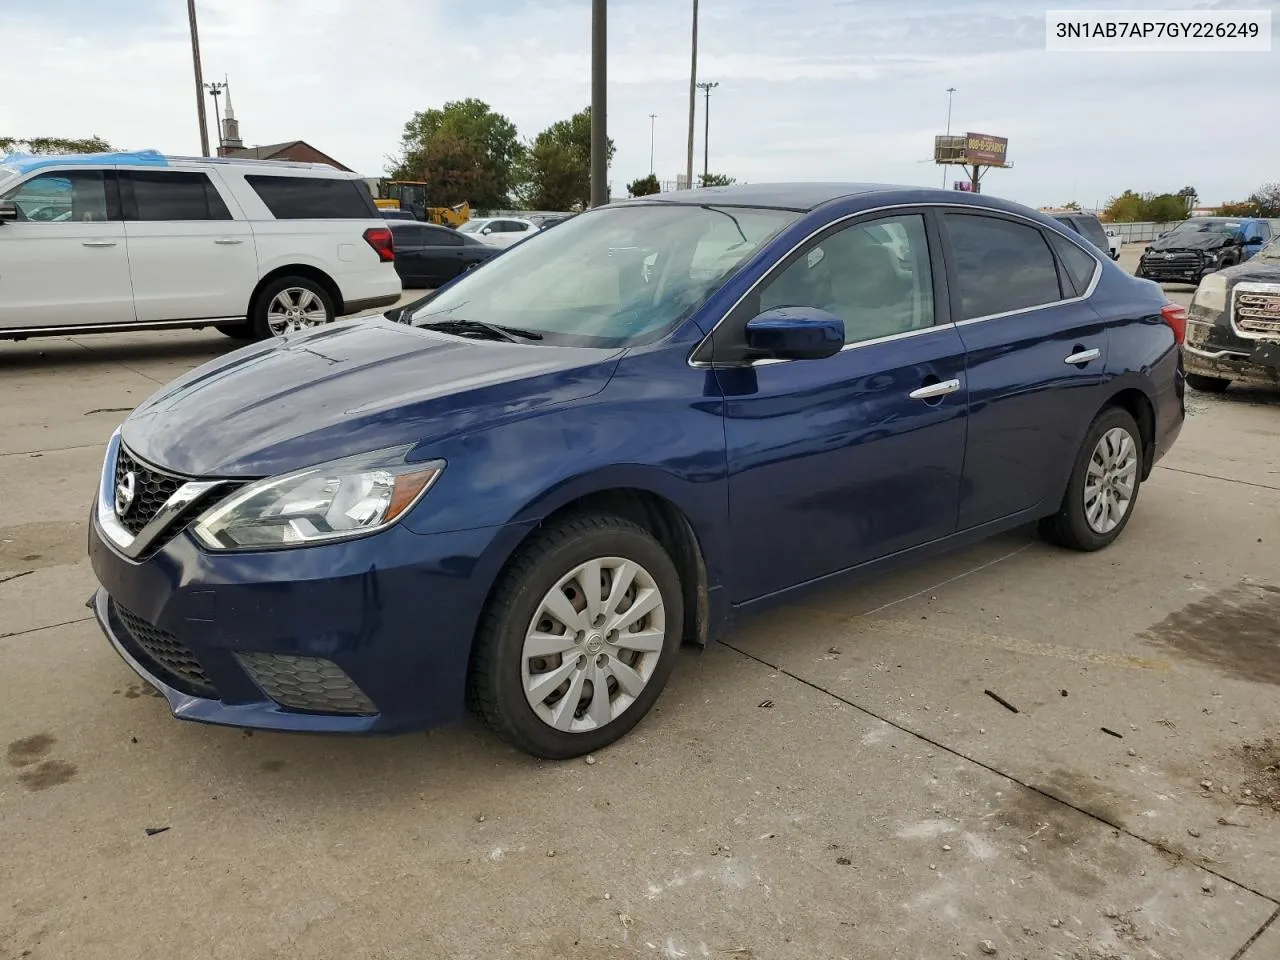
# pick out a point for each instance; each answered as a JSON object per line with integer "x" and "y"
{"x": 652, "y": 118}
{"x": 950, "y": 93}
{"x": 195, "y": 58}
{"x": 599, "y": 90}
{"x": 706, "y": 135}
{"x": 693, "y": 97}
{"x": 215, "y": 91}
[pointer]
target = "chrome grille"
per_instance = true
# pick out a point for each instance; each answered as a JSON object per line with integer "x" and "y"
{"x": 152, "y": 489}
{"x": 164, "y": 654}
{"x": 1257, "y": 312}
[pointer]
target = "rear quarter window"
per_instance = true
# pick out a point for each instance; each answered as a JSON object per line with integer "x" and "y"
{"x": 314, "y": 198}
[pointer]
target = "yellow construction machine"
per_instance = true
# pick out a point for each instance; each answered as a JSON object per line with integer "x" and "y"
{"x": 411, "y": 197}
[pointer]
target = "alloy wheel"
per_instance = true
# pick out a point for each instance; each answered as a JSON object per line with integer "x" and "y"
{"x": 1111, "y": 479}
{"x": 593, "y": 644}
{"x": 294, "y": 309}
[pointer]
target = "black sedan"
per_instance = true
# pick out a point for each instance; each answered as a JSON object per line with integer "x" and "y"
{"x": 428, "y": 255}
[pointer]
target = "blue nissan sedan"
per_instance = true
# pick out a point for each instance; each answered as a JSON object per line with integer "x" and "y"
{"x": 523, "y": 494}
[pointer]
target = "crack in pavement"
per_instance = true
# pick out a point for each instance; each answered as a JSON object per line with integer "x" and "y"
{"x": 1214, "y": 476}
{"x": 47, "y": 626}
{"x": 47, "y": 450}
{"x": 1239, "y": 954}
{"x": 15, "y": 576}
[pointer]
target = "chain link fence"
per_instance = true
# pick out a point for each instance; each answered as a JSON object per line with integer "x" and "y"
{"x": 1146, "y": 232}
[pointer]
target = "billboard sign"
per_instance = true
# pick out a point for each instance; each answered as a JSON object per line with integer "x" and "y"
{"x": 979, "y": 148}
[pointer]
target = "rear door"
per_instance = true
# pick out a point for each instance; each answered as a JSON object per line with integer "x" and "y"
{"x": 444, "y": 253}
{"x": 1036, "y": 353}
{"x": 836, "y": 462}
{"x": 64, "y": 261}
{"x": 410, "y": 253}
{"x": 189, "y": 257}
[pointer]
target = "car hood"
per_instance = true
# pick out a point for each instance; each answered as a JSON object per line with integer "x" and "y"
{"x": 1189, "y": 241}
{"x": 349, "y": 388}
{"x": 1254, "y": 269}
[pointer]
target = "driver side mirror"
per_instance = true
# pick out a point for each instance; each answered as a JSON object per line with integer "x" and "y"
{"x": 486, "y": 231}
{"x": 796, "y": 333}
{"x": 8, "y": 211}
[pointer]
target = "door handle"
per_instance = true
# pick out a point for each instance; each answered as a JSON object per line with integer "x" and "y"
{"x": 934, "y": 390}
{"x": 228, "y": 241}
{"x": 1084, "y": 356}
{"x": 98, "y": 243}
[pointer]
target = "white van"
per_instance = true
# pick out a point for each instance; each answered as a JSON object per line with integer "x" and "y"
{"x": 99, "y": 243}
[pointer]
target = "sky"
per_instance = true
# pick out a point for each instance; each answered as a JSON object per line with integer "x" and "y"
{"x": 820, "y": 90}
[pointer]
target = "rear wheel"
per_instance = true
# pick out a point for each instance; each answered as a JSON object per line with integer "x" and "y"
{"x": 288, "y": 305}
{"x": 1207, "y": 384}
{"x": 579, "y": 637}
{"x": 1104, "y": 485}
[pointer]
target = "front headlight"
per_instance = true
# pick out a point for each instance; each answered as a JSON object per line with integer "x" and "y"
{"x": 1211, "y": 295}
{"x": 332, "y": 501}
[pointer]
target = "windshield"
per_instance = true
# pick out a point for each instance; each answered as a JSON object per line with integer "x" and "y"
{"x": 616, "y": 277}
{"x": 472, "y": 226}
{"x": 1229, "y": 227}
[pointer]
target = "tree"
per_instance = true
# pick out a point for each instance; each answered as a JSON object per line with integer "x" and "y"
{"x": 1131, "y": 207}
{"x": 463, "y": 144}
{"x": 1189, "y": 197}
{"x": 644, "y": 186}
{"x": 1266, "y": 200}
{"x": 1244, "y": 208}
{"x": 556, "y": 173}
{"x": 51, "y": 145}
{"x": 716, "y": 180}
{"x": 1070, "y": 205}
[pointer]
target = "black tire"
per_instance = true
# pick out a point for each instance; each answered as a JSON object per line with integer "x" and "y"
{"x": 258, "y": 320}
{"x": 1207, "y": 384}
{"x": 496, "y": 691}
{"x": 1069, "y": 527}
{"x": 236, "y": 331}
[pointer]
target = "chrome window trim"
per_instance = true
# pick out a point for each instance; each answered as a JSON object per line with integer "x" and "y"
{"x": 960, "y": 207}
{"x": 128, "y": 544}
{"x": 1249, "y": 286}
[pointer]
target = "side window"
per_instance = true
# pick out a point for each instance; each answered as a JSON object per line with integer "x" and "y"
{"x": 406, "y": 234}
{"x": 313, "y": 198}
{"x": 1079, "y": 265}
{"x": 63, "y": 196}
{"x": 1092, "y": 230}
{"x": 164, "y": 196}
{"x": 1000, "y": 265}
{"x": 441, "y": 237}
{"x": 874, "y": 276}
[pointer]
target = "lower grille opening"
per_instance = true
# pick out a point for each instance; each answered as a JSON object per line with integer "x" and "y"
{"x": 309, "y": 684}
{"x": 163, "y": 654}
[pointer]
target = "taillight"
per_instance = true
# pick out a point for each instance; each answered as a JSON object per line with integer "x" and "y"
{"x": 1175, "y": 315}
{"x": 381, "y": 240}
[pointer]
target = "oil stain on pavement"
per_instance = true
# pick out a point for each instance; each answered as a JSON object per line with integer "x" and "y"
{"x": 1233, "y": 630}
{"x": 28, "y": 756}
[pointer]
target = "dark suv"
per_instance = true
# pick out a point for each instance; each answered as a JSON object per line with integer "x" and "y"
{"x": 1089, "y": 227}
{"x": 1201, "y": 245}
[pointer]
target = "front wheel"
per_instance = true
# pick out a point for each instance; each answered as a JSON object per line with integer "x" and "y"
{"x": 288, "y": 305}
{"x": 1103, "y": 488}
{"x": 579, "y": 637}
{"x": 1207, "y": 384}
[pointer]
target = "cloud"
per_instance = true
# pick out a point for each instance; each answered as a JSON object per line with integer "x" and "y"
{"x": 850, "y": 89}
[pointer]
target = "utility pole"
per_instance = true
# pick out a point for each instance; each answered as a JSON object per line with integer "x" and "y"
{"x": 215, "y": 91}
{"x": 693, "y": 97}
{"x": 652, "y": 118}
{"x": 950, "y": 93}
{"x": 599, "y": 90}
{"x": 195, "y": 58}
{"x": 706, "y": 134}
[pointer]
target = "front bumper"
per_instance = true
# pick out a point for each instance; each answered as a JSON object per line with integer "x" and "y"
{"x": 1184, "y": 268}
{"x": 371, "y": 635}
{"x": 1237, "y": 365}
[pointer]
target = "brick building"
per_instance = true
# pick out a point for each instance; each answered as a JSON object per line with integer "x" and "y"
{"x": 298, "y": 150}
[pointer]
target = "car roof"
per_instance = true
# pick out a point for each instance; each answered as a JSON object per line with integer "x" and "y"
{"x": 26, "y": 162}
{"x": 790, "y": 196}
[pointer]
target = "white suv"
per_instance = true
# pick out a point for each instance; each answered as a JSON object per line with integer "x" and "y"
{"x": 126, "y": 241}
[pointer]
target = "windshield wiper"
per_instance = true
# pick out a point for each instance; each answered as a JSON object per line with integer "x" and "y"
{"x": 494, "y": 330}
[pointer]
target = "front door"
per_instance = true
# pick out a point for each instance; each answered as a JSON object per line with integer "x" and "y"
{"x": 63, "y": 262}
{"x": 836, "y": 462}
{"x": 188, "y": 257}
